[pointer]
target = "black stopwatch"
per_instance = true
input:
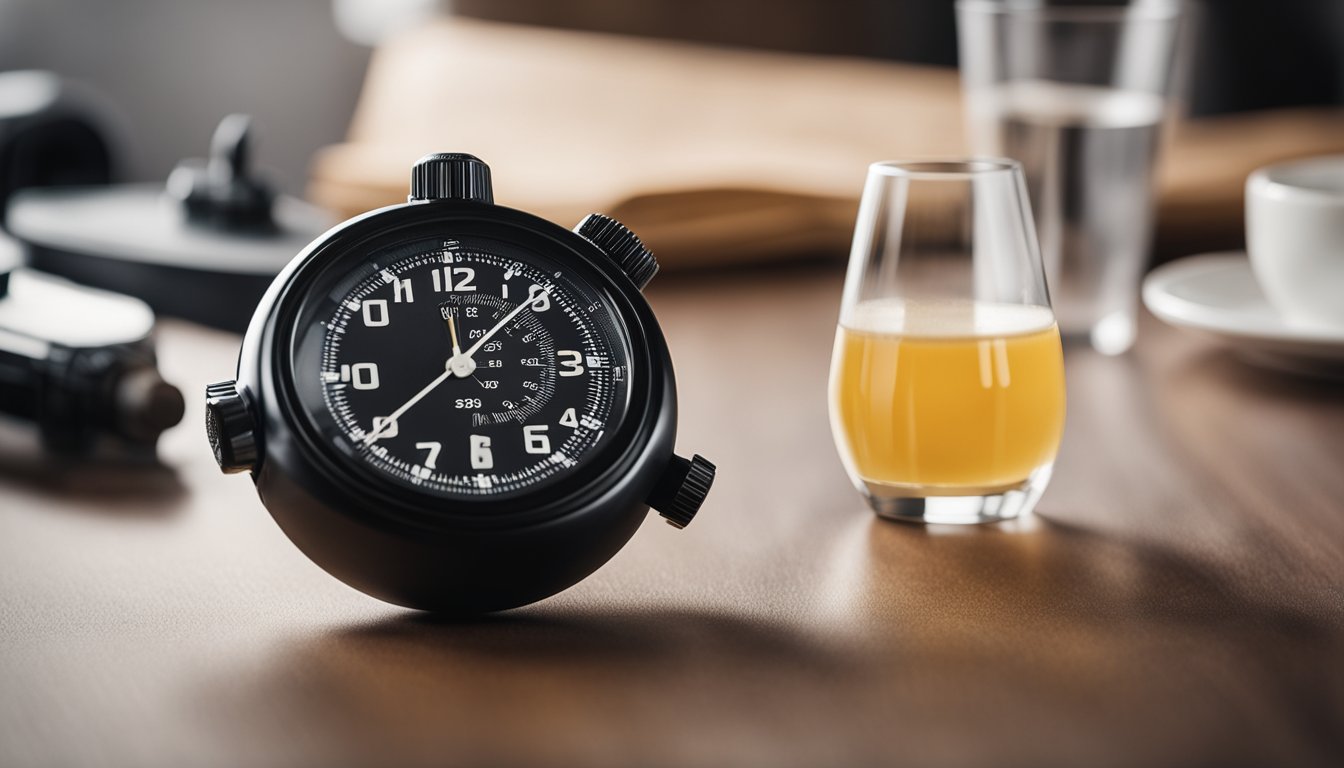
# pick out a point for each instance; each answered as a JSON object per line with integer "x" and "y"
{"x": 456, "y": 406}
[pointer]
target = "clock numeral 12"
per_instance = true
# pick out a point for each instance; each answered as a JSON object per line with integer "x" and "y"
{"x": 443, "y": 279}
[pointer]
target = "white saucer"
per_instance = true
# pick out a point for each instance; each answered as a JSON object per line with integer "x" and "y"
{"x": 1217, "y": 293}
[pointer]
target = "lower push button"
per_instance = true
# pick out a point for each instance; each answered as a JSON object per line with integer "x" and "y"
{"x": 682, "y": 489}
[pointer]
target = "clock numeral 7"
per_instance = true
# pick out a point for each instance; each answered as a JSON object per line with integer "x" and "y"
{"x": 433, "y": 448}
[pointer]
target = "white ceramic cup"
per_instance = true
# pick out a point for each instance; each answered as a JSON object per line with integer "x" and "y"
{"x": 1295, "y": 236}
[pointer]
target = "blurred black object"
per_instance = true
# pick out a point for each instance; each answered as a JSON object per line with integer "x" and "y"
{"x": 52, "y": 134}
{"x": 206, "y": 249}
{"x": 79, "y": 365}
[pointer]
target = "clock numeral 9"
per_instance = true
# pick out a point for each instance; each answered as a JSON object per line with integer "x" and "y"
{"x": 361, "y": 375}
{"x": 535, "y": 439}
{"x": 481, "y": 456}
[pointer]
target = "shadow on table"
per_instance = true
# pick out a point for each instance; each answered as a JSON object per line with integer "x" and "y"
{"x": 144, "y": 488}
{"x": 1042, "y": 568}
{"x": 546, "y": 635}
{"x": 544, "y": 685}
{"x": 1044, "y": 628}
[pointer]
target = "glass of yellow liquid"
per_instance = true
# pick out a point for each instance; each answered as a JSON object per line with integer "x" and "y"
{"x": 947, "y": 380}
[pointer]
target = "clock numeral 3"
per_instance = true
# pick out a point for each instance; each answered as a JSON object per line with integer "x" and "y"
{"x": 570, "y": 362}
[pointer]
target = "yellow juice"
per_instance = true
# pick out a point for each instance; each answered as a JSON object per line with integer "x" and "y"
{"x": 947, "y": 398}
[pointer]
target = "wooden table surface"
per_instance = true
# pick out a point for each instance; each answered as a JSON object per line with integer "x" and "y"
{"x": 1178, "y": 600}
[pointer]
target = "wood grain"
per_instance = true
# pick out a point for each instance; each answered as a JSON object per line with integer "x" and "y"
{"x": 1179, "y": 600}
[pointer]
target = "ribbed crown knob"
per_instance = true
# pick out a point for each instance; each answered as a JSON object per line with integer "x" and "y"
{"x": 229, "y": 426}
{"x": 451, "y": 176}
{"x": 621, "y": 245}
{"x": 682, "y": 489}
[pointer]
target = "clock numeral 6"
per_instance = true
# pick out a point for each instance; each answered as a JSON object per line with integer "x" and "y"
{"x": 570, "y": 362}
{"x": 535, "y": 439}
{"x": 481, "y": 456}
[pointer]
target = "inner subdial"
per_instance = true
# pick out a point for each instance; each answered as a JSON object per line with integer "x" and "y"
{"x": 514, "y": 375}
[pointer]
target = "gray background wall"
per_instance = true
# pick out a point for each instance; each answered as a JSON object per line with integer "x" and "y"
{"x": 173, "y": 68}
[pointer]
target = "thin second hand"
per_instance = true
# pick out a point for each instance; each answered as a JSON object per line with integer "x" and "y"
{"x": 406, "y": 406}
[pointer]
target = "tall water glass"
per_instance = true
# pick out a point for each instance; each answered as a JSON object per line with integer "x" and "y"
{"x": 947, "y": 379}
{"x": 1078, "y": 95}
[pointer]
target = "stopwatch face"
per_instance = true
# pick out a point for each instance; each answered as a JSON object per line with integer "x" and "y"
{"x": 463, "y": 367}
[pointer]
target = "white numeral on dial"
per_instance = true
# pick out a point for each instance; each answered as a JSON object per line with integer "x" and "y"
{"x": 433, "y": 449}
{"x": 535, "y": 439}
{"x": 481, "y": 457}
{"x": 569, "y": 362}
{"x": 375, "y": 312}
{"x": 402, "y": 291}
{"x": 443, "y": 279}
{"x": 540, "y": 298}
{"x": 569, "y": 418}
{"x": 363, "y": 375}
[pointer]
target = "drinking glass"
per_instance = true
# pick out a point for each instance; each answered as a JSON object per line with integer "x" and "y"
{"x": 947, "y": 379}
{"x": 1078, "y": 95}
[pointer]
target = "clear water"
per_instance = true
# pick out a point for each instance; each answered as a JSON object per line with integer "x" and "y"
{"x": 1088, "y": 154}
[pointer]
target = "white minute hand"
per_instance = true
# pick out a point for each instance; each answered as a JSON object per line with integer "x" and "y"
{"x": 507, "y": 318}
